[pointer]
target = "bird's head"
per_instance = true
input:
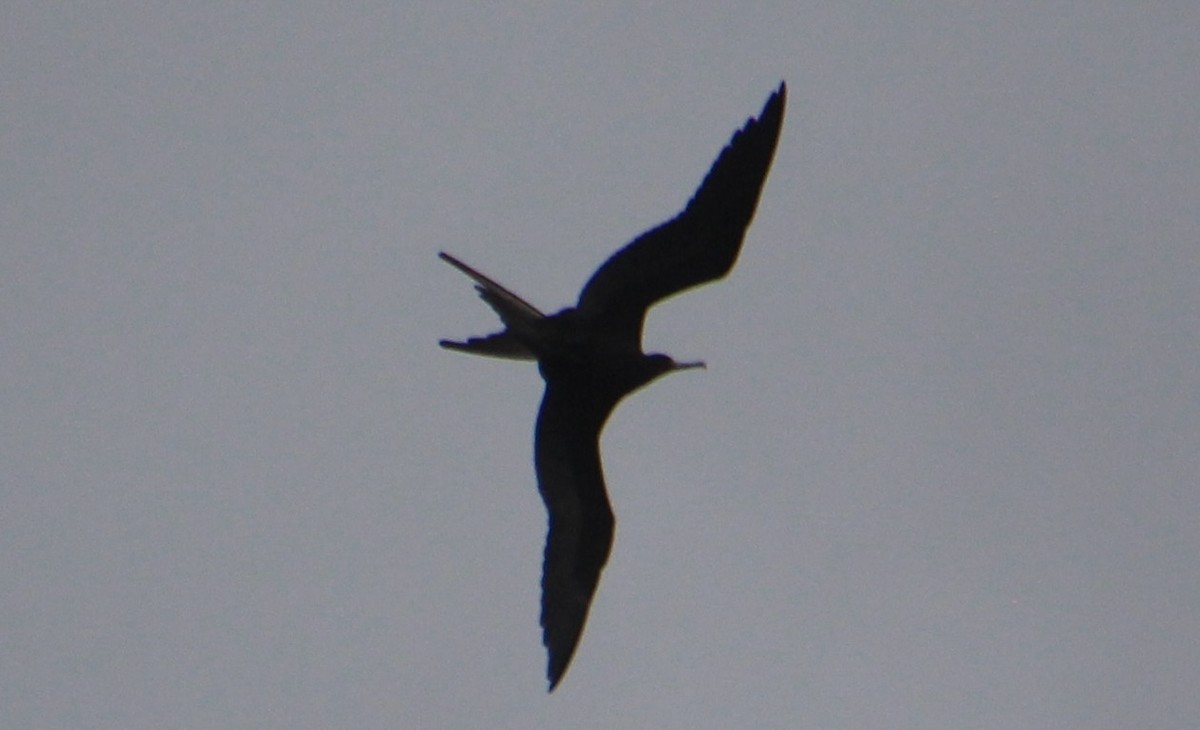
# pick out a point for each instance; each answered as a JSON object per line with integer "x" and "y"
{"x": 658, "y": 364}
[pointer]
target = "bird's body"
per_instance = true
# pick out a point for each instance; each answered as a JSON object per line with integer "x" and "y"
{"x": 591, "y": 357}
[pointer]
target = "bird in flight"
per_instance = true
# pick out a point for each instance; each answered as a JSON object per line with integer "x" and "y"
{"x": 590, "y": 356}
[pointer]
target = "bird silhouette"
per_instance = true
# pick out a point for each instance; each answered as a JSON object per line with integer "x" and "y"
{"x": 590, "y": 356}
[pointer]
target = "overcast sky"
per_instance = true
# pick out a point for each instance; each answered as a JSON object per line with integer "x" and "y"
{"x": 941, "y": 472}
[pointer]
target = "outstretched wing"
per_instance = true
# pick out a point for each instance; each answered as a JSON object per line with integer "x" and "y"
{"x": 698, "y": 245}
{"x": 567, "y": 459}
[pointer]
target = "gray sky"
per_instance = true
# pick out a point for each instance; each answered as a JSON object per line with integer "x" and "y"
{"x": 941, "y": 472}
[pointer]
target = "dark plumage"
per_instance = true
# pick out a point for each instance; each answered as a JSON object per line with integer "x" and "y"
{"x": 591, "y": 356}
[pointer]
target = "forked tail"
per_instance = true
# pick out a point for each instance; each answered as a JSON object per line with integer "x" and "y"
{"x": 520, "y": 319}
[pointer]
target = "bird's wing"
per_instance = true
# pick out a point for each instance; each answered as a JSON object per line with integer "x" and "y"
{"x": 698, "y": 245}
{"x": 567, "y": 459}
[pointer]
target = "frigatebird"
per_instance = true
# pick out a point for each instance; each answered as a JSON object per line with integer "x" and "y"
{"x": 590, "y": 356}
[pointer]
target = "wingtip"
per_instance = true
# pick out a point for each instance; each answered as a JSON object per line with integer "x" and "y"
{"x": 778, "y": 97}
{"x": 556, "y": 668}
{"x": 554, "y": 674}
